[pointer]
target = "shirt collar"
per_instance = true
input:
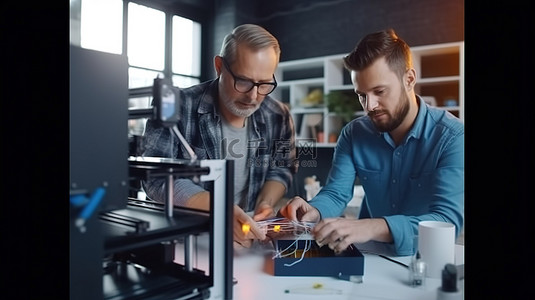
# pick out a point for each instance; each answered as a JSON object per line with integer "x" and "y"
{"x": 208, "y": 101}
{"x": 417, "y": 128}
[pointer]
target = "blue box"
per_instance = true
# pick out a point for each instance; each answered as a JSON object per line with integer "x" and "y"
{"x": 318, "y": 261}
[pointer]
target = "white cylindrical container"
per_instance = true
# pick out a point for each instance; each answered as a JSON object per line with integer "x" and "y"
{"x": 436, "y": 244}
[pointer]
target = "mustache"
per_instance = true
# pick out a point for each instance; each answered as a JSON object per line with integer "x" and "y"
{"x": 375, "y": 112}
{"x": 248, "y": 101}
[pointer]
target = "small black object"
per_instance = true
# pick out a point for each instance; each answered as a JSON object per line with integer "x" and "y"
{"x": 449, "y": 278}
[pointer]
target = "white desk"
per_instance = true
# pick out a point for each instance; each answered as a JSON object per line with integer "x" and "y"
{"x": 382, "y": 279}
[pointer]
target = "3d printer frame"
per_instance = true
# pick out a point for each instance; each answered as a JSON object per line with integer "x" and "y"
{"x": 140, "y": 240}
{"x": 121, "y": 247}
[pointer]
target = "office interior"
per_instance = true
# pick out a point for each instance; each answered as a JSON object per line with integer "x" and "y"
{"x": 309, "y": 29}
{"x": 305, "y": 30}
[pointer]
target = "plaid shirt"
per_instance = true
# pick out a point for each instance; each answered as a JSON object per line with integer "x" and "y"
{"x": 272, "y": 154}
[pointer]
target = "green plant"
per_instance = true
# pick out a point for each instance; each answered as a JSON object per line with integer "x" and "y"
{"x": 343, "y": 103}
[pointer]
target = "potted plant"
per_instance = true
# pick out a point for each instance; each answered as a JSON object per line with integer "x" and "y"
{"x": 343, "y": 103}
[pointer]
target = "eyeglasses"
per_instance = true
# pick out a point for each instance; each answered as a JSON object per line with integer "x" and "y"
{"x": 243, "y": 85}
{"x": 363, "y": 99}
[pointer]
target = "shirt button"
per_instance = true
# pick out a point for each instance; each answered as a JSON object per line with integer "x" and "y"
{"x": 393, "y": 181}
{"x": 393, "y": 205}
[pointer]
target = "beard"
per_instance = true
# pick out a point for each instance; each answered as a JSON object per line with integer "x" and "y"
{"x": 231, "y": 106}
{"x": 400, "y": 112}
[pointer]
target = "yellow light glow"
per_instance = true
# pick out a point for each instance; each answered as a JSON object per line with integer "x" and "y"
{"x": 245, "y": 228}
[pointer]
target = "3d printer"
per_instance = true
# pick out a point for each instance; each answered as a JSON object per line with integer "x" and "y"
{"x": 123, "y": 247}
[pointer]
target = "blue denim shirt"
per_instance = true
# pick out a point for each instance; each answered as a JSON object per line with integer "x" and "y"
{"x": 421, "y": 179}
{"x": 271, "y": 155}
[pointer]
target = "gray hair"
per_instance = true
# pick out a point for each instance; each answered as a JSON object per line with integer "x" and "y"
{"x": 253, "y": 36}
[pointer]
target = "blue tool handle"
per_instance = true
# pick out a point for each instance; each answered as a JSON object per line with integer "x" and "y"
{"x": 94, "y": 201}
{"x": 78, "y": 200}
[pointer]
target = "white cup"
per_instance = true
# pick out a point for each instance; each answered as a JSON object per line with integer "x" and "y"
{"x": 436, "y": 244}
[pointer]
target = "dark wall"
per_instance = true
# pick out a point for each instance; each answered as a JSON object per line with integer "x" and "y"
{"x": 308, "y": 28}
{"x": 227, "y": 15}
{"x": 316, "y": 28}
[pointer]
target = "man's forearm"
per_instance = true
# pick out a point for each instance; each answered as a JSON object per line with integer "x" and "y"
{"x": 271, "y": 193}
{"x": 199, "y": 201}
{"x": 380, "y": 230}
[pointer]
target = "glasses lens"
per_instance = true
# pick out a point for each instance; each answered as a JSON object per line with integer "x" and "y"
{"x": 265, "y": 89}
{"x": 243, "y": 86}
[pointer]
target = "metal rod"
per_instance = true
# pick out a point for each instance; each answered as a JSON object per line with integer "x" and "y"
{"x": 139, "y": 113}
{"x": 185, "y": 143}
{"x": 188, "y": 252}
{"x": 145, "y": 91}
{"x": 169, "y": 198}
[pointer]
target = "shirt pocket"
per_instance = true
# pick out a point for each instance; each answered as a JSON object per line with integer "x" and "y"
{"x": 373, "y": 181}
{"x": 421, "y": 186}
{"x": 421, "y": 181}
{"x": 366, "y": 175}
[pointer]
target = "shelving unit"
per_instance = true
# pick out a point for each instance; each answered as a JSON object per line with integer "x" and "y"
{"x": 440, "y": 71}
{"x": 439, "y": 67}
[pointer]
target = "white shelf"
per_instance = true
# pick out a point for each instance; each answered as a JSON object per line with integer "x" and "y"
{"x": 436, "y": 49}
{"x": 450, "y": 108}
{"x": 335, "y": 77}
{"x": 432, "y": 80}
{"x": 359, "y": 113}
{"x": 297, "y": 82}
{"x": 302, "y": 64}
{"x": 308, "y": 110}
{"x": 344, "y": 87}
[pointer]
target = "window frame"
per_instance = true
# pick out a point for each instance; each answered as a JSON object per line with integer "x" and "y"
{"x": 169, "y": 12}
{"x": 140, "y": 97}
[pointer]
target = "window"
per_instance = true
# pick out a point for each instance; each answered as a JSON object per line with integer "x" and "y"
{"x": 146, "y": 44}
{"x": 98, "y": 25}
{"x": 186, "y": 43}
{"x": 101, "y": 25}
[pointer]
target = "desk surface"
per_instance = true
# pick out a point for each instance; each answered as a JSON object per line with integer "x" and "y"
{"x": 382, "y": 279}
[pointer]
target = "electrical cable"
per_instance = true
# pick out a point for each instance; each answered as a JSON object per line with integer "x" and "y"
{"x": 385, "y": 257}
{"x": 393, "y": 260}
{"x": 281, "y": 227}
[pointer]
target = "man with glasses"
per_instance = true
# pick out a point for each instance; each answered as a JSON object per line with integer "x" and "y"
{"x": 233, "y": 117}
{"x": 408, "y": 156}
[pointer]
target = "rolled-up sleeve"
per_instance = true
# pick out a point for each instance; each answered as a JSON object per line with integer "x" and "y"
{"x": 160, "y": 142}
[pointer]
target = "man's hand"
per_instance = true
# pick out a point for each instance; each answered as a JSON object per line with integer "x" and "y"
{"x": 339, "y": 233}
{"x": 263, "y": 211}
{"x": 298, "y": 209}
{"x": 245, "y": 229}
{"x": 268, "y": 197}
